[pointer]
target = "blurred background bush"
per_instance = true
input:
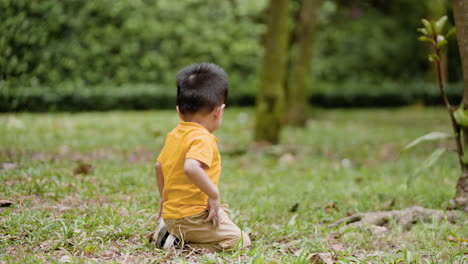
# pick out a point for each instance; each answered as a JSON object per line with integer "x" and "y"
{"x": 98, "y": 55}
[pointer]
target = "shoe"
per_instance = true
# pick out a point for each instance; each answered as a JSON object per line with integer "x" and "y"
{"x": 163, "y": 238}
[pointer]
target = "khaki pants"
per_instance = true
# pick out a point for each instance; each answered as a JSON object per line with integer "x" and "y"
{"x": 199, "y": 234}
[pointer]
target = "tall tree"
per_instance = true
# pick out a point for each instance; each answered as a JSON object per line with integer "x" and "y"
{"x": 297, "y": 88}
{"x": 460, "y": 9}
{"x": 270, "y": 99}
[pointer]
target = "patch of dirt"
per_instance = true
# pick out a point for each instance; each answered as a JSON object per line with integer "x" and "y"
{"x": 65, "y": 153}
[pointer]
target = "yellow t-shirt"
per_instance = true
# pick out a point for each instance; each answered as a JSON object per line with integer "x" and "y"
{"x": 188, "y": 140}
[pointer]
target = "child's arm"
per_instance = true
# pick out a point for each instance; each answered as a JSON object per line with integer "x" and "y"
{"x": 160, "y": 181}
{"x": 194, "y": 171}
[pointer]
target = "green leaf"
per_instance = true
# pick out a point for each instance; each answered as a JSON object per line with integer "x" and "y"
{"x": 433, "y": 57}
{"x": 442, "y": 43}
{"x": 432, "y": 159}
{"x": 434, "y": 27}
{"x": 426, "y": 39}
{"x": 461, "y": 116}
{"x": 424, "y": 31}
{"x": 433, "y": 136}
{"x": 439, "y": 24}
{"x": 451, "y": 32}
{"x": 428, "y": 26}
{"x": 426, "y": 23}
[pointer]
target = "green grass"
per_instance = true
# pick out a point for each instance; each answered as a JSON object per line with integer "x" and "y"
{"x": 343, "y": 162}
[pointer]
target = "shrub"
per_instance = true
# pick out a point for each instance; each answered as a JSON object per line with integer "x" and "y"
{"x": 69, "y": 97}
{"x": 47, "y": 42}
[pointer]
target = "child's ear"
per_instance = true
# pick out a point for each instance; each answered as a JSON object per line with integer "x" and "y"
{"x": 178, "y": 113}
{"x": 219, "y": 111}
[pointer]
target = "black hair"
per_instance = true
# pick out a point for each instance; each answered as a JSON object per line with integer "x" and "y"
{"x": 201, "y": 86}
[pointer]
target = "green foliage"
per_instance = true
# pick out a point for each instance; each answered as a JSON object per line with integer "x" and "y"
{"x": 363, "y": 42}
{"x": 48, "y": 42}
{"x": 461, "y": 116}
{"x": 147, "y": 96}
{"x": 72, "y": 97}
{"x": 432, "y": 32}
{"x": 69, "y": 97}
{"x": 433, "y": 136}
{"x": 384, "y": 94}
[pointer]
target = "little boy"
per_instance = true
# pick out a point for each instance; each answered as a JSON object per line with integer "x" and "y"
{"x": 189, "y": 165}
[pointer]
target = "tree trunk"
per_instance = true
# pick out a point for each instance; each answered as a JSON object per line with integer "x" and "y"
{"x": 297, "y": 88}
{"x": 270, "y": 99}
{"x": 460, "y": 9}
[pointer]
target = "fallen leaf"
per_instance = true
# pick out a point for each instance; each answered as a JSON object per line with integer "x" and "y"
{"x": 321, "y": 258}
{"x": 82, "y": 168}
{"x": 387, "y": 152}
{"x": 9, "y": 166}
{"x": 66, "y": 259}
{"x": 292, "y": 221}
{"x": 338, "y": 247}
{"x": 5, "y": 203}
{"x": 150, "y": 237}
{"x": 245, "y": 163}
{"x": 346, "y": 163}
{"x": 232, "y": 150}
{"x": 123, "y": 212}
{"x": 389, "y": 205}
{"x": 287, "y": 158}
{"x": 331, "y": 207}
{"x": 64, "y": 149}
{"x": 294, "y": 208}
{"x": 457, "y": 239}
{"x": 261, "y": 145}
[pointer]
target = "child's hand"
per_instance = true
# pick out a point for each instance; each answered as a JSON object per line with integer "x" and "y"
{"x": 213, "y": 211}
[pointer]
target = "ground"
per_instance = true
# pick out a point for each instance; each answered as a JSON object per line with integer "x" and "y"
{"x": 84, "y": 191}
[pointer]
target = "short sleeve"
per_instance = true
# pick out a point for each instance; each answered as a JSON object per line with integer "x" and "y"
{"x": 162, "y": 155}
{"x": 201, "y": 149}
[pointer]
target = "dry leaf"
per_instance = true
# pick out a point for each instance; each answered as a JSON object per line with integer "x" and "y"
{"x": 292, "y": 221}
{"x": 66, "y": 259}
{"x": 358, "y": 179}
{"x": 150, "y": 237}
{"x": 9, "y": 166}
{"x": 123, "y": 212}
{"x": 389, "y": 205}
{"x": 82, "y": 168}
{"x": 294, "y": 208}
{"x": 331, "y": 207}
{"x": 321, "y": 258}
{"x": 287, "y": 158}
{"x": 5, "y": 203}
{"x": 457, "y": 239}
{"x": 338, "y": 247}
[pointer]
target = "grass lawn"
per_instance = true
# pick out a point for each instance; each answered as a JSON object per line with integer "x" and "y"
{"x": 343, "y": 162}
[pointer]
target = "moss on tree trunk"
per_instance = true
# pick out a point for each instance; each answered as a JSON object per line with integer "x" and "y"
{"x": 271, "y": 99}
{"x": 460, "y": 8}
